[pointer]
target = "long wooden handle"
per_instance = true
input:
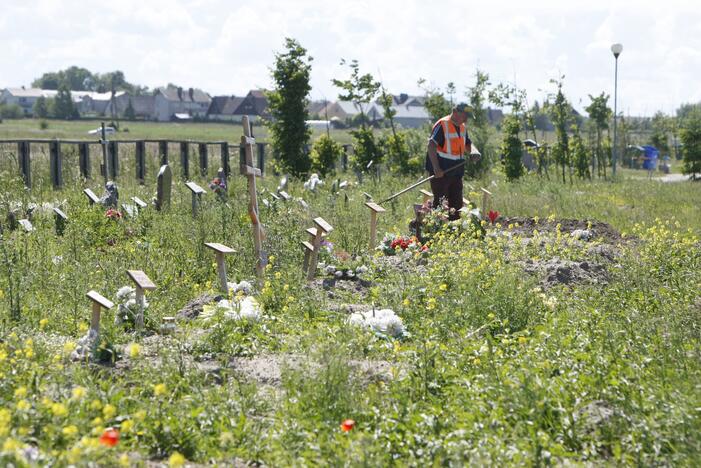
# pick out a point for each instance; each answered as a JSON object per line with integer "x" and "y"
{"x": 422, "y": 181}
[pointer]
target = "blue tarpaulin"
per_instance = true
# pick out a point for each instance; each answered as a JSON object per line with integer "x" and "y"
{"x": 651, "y": 155}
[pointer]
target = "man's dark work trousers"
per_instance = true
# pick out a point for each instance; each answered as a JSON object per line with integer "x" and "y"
{"x": 450, "y": 188}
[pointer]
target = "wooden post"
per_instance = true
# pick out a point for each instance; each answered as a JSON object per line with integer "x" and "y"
{"x": 220, "y": 251}
{"x": 56, "y": 163}
{"x": 197, "y": 192}
{"x": 98, "y": 302}
{"x": 60, "y": 219}
{"x": 163, "y": 151}
{"x": 24, "y": 150}
{"x": 142, "y": 283}
{"x": 261, "y": 158}
{"x": 84, "y": 159}
{"x": 92, "y": 198}
{"x": 185, "y": 159}
{"x": 140, "y": 153}
{"x": 204, "y": 159}
{"x": 344, "y": 158}
{"x": 374, "y": 209}
{"x": 308, "y": 248}
{"x": 418, "y": 218}
{"x": 105, "y": 160}
{"x": 164, "y": 183}
{"x": 427, "y": 195}
{"x": 251, "y": 172}
{"x": 485, "y": 200}
{"x": 113, "y": 152}
{"x": 465, "y": 202}
{"x": 322, "y": 228}
{"x": 225, "y": 158}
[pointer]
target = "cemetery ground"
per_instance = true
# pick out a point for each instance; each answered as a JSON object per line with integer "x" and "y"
{"x": 565, "y": 332}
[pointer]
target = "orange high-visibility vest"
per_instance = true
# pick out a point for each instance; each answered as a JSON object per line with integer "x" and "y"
{"x": 454, "y": 143}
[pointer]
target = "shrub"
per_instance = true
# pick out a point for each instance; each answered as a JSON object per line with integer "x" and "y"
{"x": 325, "y": 154}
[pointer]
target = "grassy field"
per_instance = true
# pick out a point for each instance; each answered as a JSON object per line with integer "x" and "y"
{"x": 523, "y": 342}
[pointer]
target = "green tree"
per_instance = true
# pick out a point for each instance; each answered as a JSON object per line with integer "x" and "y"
{"x": 580, "y": 155}
{"x": 560, "y": 114}
{"x": 129, "y": 112}
{"x": 512, "y": 148}
{"x": 660, "y": 132}
{"x": 288, "y": 103}
{"x": 435, "y": 102}
{"x": 325, "y": 154}
{"x": 11, "y": 111}
{"x": 63, "y": 104}
{"x": 479, "y": 129}
{"x": 600, "y": 114}
{"x": 690, "y": 134}
{"x": 358, "y": 89}
{"x": 397, "y": 149}
{"x": 41, "y": 108}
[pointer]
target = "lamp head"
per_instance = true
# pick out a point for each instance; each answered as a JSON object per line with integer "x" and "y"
{"x": 617, "y": 49}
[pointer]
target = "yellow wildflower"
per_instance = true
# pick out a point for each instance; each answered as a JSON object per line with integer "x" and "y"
{"x": 109, "y": 411}
{"x": 124, "y": 460}
{"x": 5, "y": 419}
{"x": 95, "y": 404}
{"x": 133, "y": 349}
{"x": 23, "y": 405}
{"x": 69, "y": 347}
{"x": 443, "y": 287}
{"x": 20, "y": 392}
{"x": 140, "y": 415}
{"x": 43, "y": 323}
{"x": 159, "y": 389}
{"x": 127, "y": 425}
{"x": 69, "y": 431}
{"x": 10, "y": 445}
{"x": 78, "y": 393}
{"x": 97, "y": 421}
{"x": 83, "y": 327}
{"x": 176, "y": 460}
{"x": 59, "y": 410}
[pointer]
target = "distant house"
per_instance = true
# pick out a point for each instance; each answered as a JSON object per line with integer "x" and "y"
{"x": 171, "y": 100}
{"x": 223, "y": 108}
{"x": 495, "y": 116}
{"x": 25, "y": 97}
{"x": 255, "y": 105}
{"x": 95, "y": 103}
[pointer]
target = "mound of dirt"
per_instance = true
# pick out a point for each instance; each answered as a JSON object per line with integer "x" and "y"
{"x": 600, "y": 231}
{"x": 566, "y": 272}
{"x": 194, "y": 308}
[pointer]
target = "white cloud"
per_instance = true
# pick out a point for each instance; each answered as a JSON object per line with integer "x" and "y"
{"x": 227, "y": 47}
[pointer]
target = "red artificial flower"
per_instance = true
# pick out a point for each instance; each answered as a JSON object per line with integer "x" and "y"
{"x": 492, "y": 215}
{"x": 110, "y": 437}
{"x": 347, "y": 425}
{"x": 113, "y": 214}
{"x": 424, "y": 248}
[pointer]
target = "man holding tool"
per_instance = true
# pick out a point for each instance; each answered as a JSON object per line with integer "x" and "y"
{"x": 445, "y": 159}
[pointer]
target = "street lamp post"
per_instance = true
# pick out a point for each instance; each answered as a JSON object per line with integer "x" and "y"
{"x": 616, "y": 49}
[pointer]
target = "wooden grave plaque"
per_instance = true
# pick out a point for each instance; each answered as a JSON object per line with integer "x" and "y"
{"x": 427, "y": 195}
{"x": 98, "y": 302}
{"x": 285, "y": 196}
{"x": 139, "y": 202}
{"x": 163, "y": 187}
{"x": 143, "y": 283}
{"x": 221, "y": 250}
{"x": 197, "y": 192}
{"x": 418, "y": 218}
{"x": 92, "y": 198}
{"x": 374, "y": 210}
{"x": 322, "y": 228}
{"x": 26, "y": 225}
{"x": 60, "y": 220}
{"x": 308, "y": 248}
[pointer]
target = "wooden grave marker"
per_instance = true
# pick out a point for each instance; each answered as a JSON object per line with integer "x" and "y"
{"x": 140, "y": 204}
{"x": 465, "y": 202}
{"x": 427, "y": 195}
{"x": 374, "y": 210}
{"x": 485, "y": 200}
{"x": 142, "y": 283}
{"x": 26, "y": 225}
{"x": 221, "y": 250}
{"x": 285, "y": 196}
{"x": 98, "y": 302}
{"x": 418, "y": 219}
{"x": 60, "y": 220}
{"x": 322, "y": 228}
{"x": 308, "y": 248}
{"x": 130, "y": 210}
{"x": 92, "y": 198}
{"x": 251, "y": 172}
{"x": 197, "y": 192}
{"x": 163, "y": 187}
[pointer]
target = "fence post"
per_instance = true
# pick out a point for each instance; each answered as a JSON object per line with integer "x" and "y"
{"x": 24, "y": 149}
{"x": 204, "y": 159}
{"x": 163, "y": 151}
{"x": 55, "y": 163}
{"x": 261, "y": 157}
{"x": 84, "y": 159}
{"x": 185, "y": 159}
{"x": 225, "y": 158}
{"x": 140, "y": 153}
{"x": 113, "y": 155}
{"x": 344, "y": 158}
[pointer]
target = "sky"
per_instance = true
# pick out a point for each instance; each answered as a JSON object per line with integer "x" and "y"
{"x": 228, "y": 47}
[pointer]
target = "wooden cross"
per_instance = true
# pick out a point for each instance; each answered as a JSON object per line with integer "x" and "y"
{"x": 322, "y": 228}
{"x": 92, "y": 198}
{"x": 374, "y": 209}
{"x": 197, "y": 192}
{"x": 143, "y": 283}
{"x": 427, "y": 195}
{"x": 485, "y": 200}
{"x": 419, "y": 215}
{"x": 98, "y": 302}
{"x": 221, "y": 250}
{"x": 308, "y": 249}
{"x": 60, "y": 219}
{"x": 251, "y": 172}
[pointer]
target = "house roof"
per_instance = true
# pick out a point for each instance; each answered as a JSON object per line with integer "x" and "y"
{"x": 184, "y": 95}
{"x": 255, "y": 103}
{"x": 32, "y": 92}
{"x": 217, "y": 104}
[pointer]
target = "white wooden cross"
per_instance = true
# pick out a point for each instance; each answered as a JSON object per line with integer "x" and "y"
{"x": 98, "y": 301}
{"x": 374, "y": 209}
{"x": 322, "y": 228}
{"x": 143, "y": 283}
{"x": 251, "y": 172}
{"x": 221, "y": 250}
